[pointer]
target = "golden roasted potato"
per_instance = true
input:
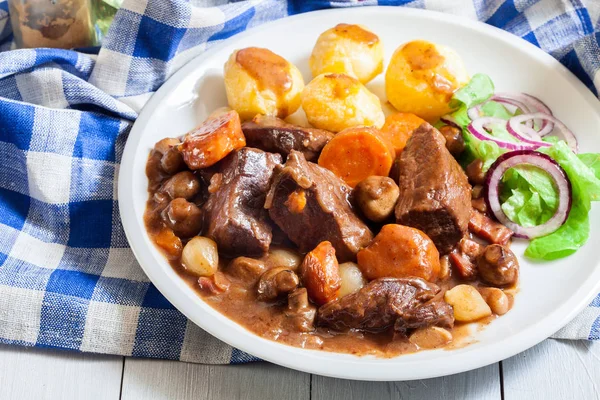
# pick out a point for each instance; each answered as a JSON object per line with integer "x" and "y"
{"x": 258, "y": 81}
{"x": 430, "y": 337}
{"x": 336, "y": 101}
{"x": 422, "y": 77}
{"x": 348, "y": 49}
{"x": 468, "y": 303}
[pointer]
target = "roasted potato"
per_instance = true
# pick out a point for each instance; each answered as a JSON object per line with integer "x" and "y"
{"x": 430, "y": 337}
{"x": 421, "y": 78}
{"x": 348, "y": 49}
{"x": 258, "y": 81}
{"x": 468, "y": 304}
{"x": 336, "y": 101}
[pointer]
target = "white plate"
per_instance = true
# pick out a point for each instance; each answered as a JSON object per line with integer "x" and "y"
{"x": 551, "y": 294}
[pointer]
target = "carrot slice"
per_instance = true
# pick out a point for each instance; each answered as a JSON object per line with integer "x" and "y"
{"x": 399, "y": 251}
{"x": 214, "y": 139}
{"x": 399, "y": 127}
{"x": 357, "y": 153}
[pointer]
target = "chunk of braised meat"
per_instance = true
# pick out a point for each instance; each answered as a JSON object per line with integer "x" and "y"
{"x": 234, "y": 216}
{"x": 310, "y": 204}
{"x": 376, "y": 197}
{"x": 277, "y": 136}
{"x": 435, "y": 195}
{"x": 212, "y": 140}
{"x": 246, "y": 270}
{"x": 498, "y": 266}
{"x": 454, "y": 139}
{"x": 183, "y": 185}
{"x": 395, "y": 170}
{"x": 215, "y": 284}
{"x": 320, "y": 274}
{"x": 276, "y": 282}
{"x": 435, "y": 312}
{"x": 300, "y": 312}
{"x": 489, "y": 230}
{"x": 475, "y": 172}
{"x": 183, "y": 217}
{"x": 388, "y": 302}
{"x": 479, "y": 205}
{"x": 464, "y": 258}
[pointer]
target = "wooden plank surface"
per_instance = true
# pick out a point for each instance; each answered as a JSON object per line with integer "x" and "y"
{"x": 481, "y": 384}
{"x": 157, "y": 380}
{"x": 551, "y": 370}
{"x": 554, "y": 369}
{"x": 27, "y": 373}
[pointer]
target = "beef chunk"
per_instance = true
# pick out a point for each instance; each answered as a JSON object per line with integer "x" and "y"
{"x": 404, "y": 303}
{"x": 234, "y": 213}
{"x": 435, "y": 312}
{"x": 277, "y": 136}
{"x": 310, "y": 204}
{"x": 435, "y": 195}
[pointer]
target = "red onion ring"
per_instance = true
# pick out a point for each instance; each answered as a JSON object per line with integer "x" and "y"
{"x": 477, "y": 129}
{"x": 536, "y": 104}
{"x": 540, "y": 160}
{"x": 515, "y": 127}
{"x": 514, "y": 101}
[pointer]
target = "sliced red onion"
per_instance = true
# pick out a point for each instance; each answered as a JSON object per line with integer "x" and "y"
{"x": 477, "y": 129}
{"x": 515, "y": 127}
{"x": 512, "y": 102}
{"x": 537, "y": 105}
{"x": 524, "y": 133}
{"x": 537, "y": 159}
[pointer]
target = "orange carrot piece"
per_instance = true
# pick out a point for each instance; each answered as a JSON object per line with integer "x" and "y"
{"x": 214, "y": 139}
{"x": 399, "y": 251}
{"x": 399, "y": 127}
{"x": 357, "y": 153}
{"x": 320, "y": 274}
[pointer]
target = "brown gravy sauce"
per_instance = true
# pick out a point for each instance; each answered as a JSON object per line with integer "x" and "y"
{"x": 240, "y": 304}
{"x": 344, "y": 85}
{"x": 268, "y": 69}
{"x": 356, "y": 33}
{"x": 422, "y": 57}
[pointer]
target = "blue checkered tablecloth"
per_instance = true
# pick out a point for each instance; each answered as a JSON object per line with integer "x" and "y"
{"x": 67, "y": 277}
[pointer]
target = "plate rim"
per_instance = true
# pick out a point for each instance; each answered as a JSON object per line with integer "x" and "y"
{"x": 327, "y": 367}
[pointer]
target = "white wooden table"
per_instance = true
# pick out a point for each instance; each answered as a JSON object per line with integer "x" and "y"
{"x": 552, "y": 370}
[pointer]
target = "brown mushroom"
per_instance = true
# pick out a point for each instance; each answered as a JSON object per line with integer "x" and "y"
{"x": 377, "y": 196}
{"x": 276, "y": 282}
{"x": 498, "y": 266}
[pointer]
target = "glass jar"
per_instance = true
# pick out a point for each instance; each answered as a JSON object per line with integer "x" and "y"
{"x": 53, "y": 23}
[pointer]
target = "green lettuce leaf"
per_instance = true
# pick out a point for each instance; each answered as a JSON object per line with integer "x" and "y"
{"x": 585, "y": 182}
{"x": 479, "y": 89}
{"x": 494, "y": 109}
{"x": 592, "y": 160}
